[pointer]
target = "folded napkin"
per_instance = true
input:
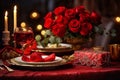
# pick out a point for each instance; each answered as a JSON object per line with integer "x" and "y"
{"x": 37, "y": 57}
{"x": 30, "y": 45}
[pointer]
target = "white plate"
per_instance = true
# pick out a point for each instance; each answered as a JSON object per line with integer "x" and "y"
{"x": 63, "y": 46}
{"x": 12, "y": 62}
{"x": 19, "y": 60}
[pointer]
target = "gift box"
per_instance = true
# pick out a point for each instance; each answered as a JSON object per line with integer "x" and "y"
{"x": 92, "y": 58}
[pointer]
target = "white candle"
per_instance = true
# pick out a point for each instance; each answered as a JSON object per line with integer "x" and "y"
{"x": 15, "y": 17}
{"x": 6, "y": 20}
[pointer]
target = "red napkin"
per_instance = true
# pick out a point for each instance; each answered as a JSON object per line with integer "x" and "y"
{"x": 37, "y": 57}
{"x": 30, "y": 45}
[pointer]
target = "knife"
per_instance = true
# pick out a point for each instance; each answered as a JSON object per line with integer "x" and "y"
{"x": 8, "y": 68}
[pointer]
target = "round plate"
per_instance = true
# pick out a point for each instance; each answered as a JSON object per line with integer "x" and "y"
{"x": 66, "y": 49}
{"x": 12, "y": 62}
{"x": 62, "y": 46}
{"x": 19, "y": 60}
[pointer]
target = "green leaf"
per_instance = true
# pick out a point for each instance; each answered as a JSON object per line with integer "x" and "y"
{"x": 38, "y": 43}
{"x": 45, "y": 35}
{"x": 58, "y": 40}
{"x": 52, "y": 39}
{"x": 37, "y": 37}
{"x": 44, "y": 42}
{"x": 48, "y": 32}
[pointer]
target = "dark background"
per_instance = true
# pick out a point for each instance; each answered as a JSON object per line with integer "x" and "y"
{"x": 106, "y": 8}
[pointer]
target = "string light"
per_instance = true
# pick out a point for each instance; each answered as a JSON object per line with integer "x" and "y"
{"x": 23, "y": 24}
{"x": 43, "y": 32}
{"x": 117, "y": 19}
{"x": 39, "y": 27}
{"x": 34, "y": 15}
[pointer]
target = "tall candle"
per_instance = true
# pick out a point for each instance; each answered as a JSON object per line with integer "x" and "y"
{"x": 6, "y": 20}
{"x": 15, "y": 17}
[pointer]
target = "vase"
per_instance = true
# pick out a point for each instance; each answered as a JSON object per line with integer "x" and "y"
{"x": 79, "y": 43}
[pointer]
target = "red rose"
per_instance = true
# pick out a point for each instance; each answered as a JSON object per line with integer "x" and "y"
{"x": 95, "y": 18}
{"x": 65, "y": 21}
{"x": 84, "y": 17}
{"x": 59, "y": 10}
{"x": 59, "y": 18}
{"x": 48, "y": 23}
{"x": 70, "y": 13}
{"x": 49, "y": 15}
{"x": 80, "y": 9}
{"x": 85, "y": 28}
{"x": 74, "y": 25}
{"x": 59, "y": 30}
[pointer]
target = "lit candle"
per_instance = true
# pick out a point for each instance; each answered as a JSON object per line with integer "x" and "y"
{"x": 6, "y": 20}
{"x": 15, "y": 17}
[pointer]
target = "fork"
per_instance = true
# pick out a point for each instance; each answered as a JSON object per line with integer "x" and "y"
{"x": 8, "y": 68}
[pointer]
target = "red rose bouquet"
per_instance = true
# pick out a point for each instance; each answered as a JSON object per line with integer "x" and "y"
{"x": 73, "y": 22}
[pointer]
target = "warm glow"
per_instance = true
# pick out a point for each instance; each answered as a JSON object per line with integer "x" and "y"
{"x": 15, "y": 8}
{"x": 23, "y": 24}
{"x": 34, "y": 15}
{"x": 39, "y": 27}
{"x": 43, "y": 32}
{"x": 6, "y": 13}
{"x": 24, "y": 29}
{"x": 15, "y": 17}
{"x": 117, "y": 19}
{"x": 6, "y": 20}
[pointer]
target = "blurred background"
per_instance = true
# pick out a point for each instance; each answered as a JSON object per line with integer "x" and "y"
{"x": 108, "y": 9}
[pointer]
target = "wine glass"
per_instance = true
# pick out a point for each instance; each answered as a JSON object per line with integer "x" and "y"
{"x": 22, "y": 35}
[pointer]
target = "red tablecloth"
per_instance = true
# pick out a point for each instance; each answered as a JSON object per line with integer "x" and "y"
{"x": 77, "y": 72}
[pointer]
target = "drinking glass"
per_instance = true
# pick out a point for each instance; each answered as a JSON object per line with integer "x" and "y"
{"x": 22, "y": 35}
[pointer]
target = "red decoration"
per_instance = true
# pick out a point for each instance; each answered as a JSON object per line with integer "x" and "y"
{"x": 76, "y": 21}
{"x": 37, "y": 57}
{"x": 51, "y": 57}
{"x": 92, "y": 58}
{"x": 30, "y": 45}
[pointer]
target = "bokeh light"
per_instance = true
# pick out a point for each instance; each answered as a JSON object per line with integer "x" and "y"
{"x": 117, "y": 19}
{"x": 34, "y": 15}
{"x": 23, "y": 24}
{"x": 43, "y": 32}
{"x": 39, "y": 27}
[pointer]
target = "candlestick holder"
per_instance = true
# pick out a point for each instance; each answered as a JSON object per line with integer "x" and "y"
{"x": 6, "y": 37}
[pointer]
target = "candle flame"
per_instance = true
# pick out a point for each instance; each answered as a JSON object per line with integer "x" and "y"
{"x": 15, "y": 7}
{"x": 6, "y": 13}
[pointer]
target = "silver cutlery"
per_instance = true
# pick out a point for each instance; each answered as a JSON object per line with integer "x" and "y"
{"x": 8, "y": 68}
{"x": 1, "y": 68}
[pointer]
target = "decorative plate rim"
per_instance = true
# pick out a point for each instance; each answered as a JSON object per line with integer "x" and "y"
{"x": 19, "y": 60}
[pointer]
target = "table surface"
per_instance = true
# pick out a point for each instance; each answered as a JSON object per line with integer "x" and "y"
{"x": 68, "y": 72}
